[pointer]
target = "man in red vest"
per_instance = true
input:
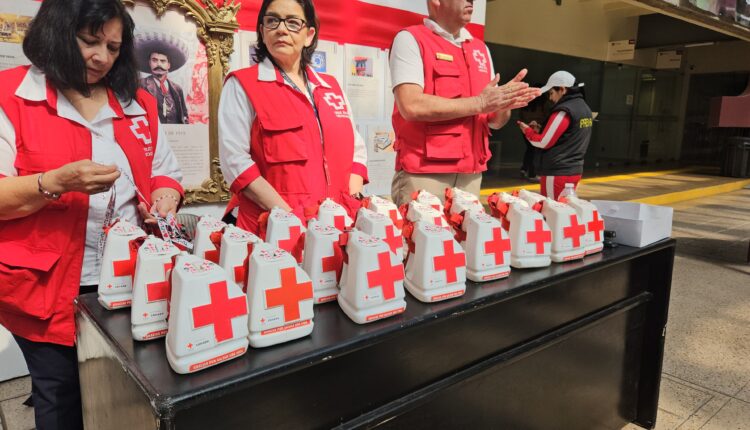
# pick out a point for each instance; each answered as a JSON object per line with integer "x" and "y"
{"x": 447, "y": 98}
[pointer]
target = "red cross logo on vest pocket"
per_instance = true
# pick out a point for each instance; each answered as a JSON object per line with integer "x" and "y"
{"x": 386, "y": 276}
{"x": 289, "y": 294}
{"x": 574, "y": 231}
{"x": 335, "y": 101}
{"x": 450, "y": 262}
{"x": 597, "y": 226}
{"x": 497, "y": 245}
{"x": 481, "y": 59}
{"x": 539, "y": 236}
{"x": 141, "y": 130}
{"x": 158, "y": 291}
{"x": 220, "y": 311}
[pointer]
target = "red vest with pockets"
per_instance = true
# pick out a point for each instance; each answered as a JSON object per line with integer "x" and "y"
{"x": 41, "y": 254}
{"x": 286, "y": 146}
{"x": 455, "y": 146}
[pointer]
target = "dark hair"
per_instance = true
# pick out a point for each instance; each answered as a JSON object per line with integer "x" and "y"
{"x": 261, "y": 52}
{"x": 51, "y": 44}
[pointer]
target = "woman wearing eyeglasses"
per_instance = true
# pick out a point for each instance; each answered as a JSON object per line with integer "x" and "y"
{"x": 286, "y": 136}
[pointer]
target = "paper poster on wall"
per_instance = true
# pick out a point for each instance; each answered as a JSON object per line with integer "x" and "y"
{"x": 174, "y": 69}
{"x": 381, "y": 157}
{"x": 248, "y": 39}
{"x": 15, "y": 18}
{"x": 363, "y": 76}
{"x": 329, "y": 58}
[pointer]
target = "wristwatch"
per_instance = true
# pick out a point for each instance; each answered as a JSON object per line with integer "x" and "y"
{"x": 46, "y": 194}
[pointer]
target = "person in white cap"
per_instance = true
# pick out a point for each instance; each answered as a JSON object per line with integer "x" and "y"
{"x": 447, "y": 98}
{"x": 565, "y": 137}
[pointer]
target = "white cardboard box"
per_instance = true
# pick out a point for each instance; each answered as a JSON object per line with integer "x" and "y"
{"x": 636, "y": 224}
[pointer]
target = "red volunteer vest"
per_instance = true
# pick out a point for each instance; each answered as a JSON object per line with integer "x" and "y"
{"x": 41, "y": 254}
{"x": 285, "y": 143}
{"x": 456, "y": 146}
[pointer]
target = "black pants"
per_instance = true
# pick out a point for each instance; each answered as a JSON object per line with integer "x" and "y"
{"x": 529, "y": 160}
{"x": 55, "y": 389}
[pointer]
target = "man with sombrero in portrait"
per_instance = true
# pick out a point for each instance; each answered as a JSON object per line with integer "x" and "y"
{"x": 158, "y": 54}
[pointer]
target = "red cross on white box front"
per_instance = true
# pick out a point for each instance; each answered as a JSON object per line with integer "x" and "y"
{"x": 208, "y": 316}
{"x": 118, "y": 265}
{"x": 437, "y": 269}
{"x": 333, "y": 214}
{"x": 236, "y": 245}
{"x": 203, "y": 247}
{"x": 286, "y": 231}
{"x": 152, "y": 288}
{"x": 567, "y": 231}
{"x": 280, "y": 295}
{"x": 374, "y": 285}
{"x": 387, "y": 208}
{"x": 487, "y": 247}
{"x": 323, "y": 260}
{"x": 530, "y": 237}
{"x": 593, "y": 240}
{"x": 381, "y": 226}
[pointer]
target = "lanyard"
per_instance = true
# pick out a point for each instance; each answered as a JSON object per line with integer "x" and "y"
{"x": 307, "y": 87}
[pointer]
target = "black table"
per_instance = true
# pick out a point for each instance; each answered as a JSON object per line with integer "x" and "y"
{"x": 571, "y": 346}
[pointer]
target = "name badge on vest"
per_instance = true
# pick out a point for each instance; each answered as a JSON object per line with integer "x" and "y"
{"x": 444, "y": 57}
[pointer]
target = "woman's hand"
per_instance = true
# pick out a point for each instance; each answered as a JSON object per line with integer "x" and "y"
{"x": 523, "y": 126}
{"x": 165, "y": 201}
{"x": 356, "y": 184}
{"x": 84, "y": 176}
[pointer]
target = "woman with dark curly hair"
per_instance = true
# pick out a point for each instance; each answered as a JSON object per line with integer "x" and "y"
{"x": 286, "y": 136}
{"x": 80, "y": 146}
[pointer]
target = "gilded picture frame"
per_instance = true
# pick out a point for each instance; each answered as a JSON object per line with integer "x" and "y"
{"x": 215, "y": 26}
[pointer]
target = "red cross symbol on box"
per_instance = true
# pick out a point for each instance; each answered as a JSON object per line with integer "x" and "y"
{"x": 386, "y": 276}
{"x": 574, "y": 231}
{"x": 335, "y": 262}
{"x": 290, "y": 244}
{"x": 126, "y": 267}
{"x": 597, "y": 226}
{"x": 289, "y": 294}
{"x": 339, "y": 221}
{"x": 393, "y": 214}
{"x": 212, "y": 255}
{"x": 539, "y": 236}
{"x": 497, "y": 245}
{"x": 220, "y": 311}
{"x": 450, "y": 261}
{"x": 158, "y": 291}
{"x": 438, "y": 221}
{"x": 394, "y": 241}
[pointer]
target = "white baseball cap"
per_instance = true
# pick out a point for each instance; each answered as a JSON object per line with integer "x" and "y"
{"x": 560, "y": 79}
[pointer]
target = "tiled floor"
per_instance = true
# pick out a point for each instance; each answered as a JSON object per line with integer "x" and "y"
{"x": 706, "y": 381}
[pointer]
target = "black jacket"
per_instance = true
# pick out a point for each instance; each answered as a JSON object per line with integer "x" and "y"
{"x": 566, "y": 157}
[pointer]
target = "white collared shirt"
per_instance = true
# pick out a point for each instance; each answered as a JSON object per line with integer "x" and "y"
{"x": 406, "y": 62}
{"x": 104, "y": 150}
{"x": 236, "y": 116}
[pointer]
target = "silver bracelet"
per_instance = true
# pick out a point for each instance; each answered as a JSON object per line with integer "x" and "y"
{"x": 46, "y": 194}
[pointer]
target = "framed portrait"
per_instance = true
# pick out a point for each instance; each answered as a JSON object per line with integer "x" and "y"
{"x": 183, "y": 49}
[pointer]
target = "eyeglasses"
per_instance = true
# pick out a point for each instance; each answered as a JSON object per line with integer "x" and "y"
{"x": 292, "y": 24}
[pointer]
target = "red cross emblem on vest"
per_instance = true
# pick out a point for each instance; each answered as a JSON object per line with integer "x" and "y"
{"x": 574, "y": 231}
{"x": 386, "y": 276}
{"x": 497, "y": 245}
{"x": 450, "y": 262}
{"x": 289, "y": 294}
{"x": 481, "y": 60}
{"x": 220, "y": 311}
{"x": 335, "y": 101}
{"x": 141, "y": 131}
{"x": 161, "y": 290}
{"x": 597, "y": 226}
{"x": 539, "y": 236}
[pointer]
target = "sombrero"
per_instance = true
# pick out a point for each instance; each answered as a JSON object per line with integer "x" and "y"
{"x": 149, "y": 42}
